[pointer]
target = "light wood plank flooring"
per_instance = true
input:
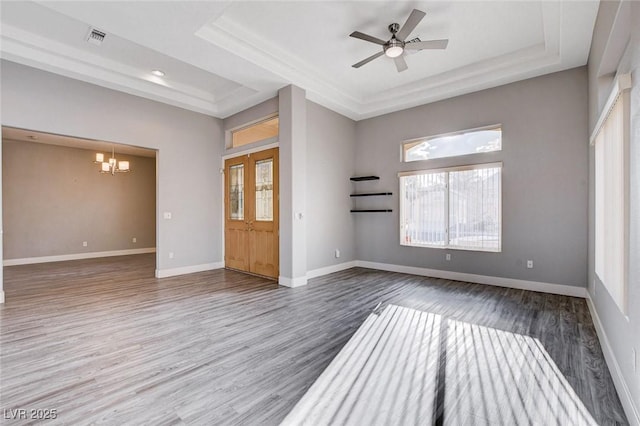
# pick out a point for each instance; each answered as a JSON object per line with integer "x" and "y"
{"x": 103, "y": 342}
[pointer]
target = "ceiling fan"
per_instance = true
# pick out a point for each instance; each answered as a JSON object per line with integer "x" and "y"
{"x": 398, "y": 43}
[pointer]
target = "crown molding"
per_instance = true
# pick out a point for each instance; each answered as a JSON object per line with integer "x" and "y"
{"x": 282, "y": 67}
{"x": 32, "y": 50}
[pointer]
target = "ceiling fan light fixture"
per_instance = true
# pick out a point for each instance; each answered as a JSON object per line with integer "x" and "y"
{"x": 393, "y": 48}
{"x": 394, "y": 51}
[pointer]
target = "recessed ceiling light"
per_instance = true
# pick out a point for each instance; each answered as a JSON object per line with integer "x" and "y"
{"x": 159, "y": 73}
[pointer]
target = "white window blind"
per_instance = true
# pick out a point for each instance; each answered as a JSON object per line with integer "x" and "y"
{"x": 611, "y": 195}
{"x": 456, "y": 208}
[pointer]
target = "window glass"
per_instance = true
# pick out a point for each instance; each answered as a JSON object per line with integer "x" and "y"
{"x": 452, "y": 208}
{"x": 266, "y": 129}
{"x": 451, "y": 145}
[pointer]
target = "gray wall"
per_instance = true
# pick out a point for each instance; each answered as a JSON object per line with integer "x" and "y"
{"x": 2, "y": 298}
{"x": 256, "y": 112}
{"x": 54, "y": 198}
{"x": 292, "y": 106}
{"x": 189, "y": 147}
{"x": 623, "y": 333}
{"x": 330, "y": 164}
{"x": 545, "y": 166}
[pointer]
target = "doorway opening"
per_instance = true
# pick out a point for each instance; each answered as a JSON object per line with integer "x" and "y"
{"x": 61, "y": 203}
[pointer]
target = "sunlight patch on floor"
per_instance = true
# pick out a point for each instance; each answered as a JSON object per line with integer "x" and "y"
{"x": 410, "y": 367}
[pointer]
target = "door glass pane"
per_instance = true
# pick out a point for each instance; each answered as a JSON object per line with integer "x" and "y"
{"x": 236, "y": 192}
{"x": 264, "y": 190}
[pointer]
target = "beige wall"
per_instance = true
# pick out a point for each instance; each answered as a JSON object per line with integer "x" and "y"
{"x": 54, "y": 199}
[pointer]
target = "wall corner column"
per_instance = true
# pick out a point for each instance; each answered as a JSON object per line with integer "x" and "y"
{"x": 1, "y": 232}
{"x": 293, "y": 160}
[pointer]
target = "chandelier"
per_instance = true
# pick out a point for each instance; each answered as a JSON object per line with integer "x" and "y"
{"x": 112, "y": 166}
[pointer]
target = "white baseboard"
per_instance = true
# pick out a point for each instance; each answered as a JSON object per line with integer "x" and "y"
{"x": 628, "y": 404}
{"x": 76, "y": 256}
{"x": 1, "y": 296}
{"x": 172, "y": 272}
{"x": 292, "y": 282}
{"x": 565, "y": 290}
{"x": 330, "y": 269}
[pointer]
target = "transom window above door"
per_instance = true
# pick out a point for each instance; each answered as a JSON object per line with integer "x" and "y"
{"x": 257, "y": 132}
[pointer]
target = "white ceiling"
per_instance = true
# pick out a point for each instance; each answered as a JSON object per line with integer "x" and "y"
{"x": 221, "y": 57}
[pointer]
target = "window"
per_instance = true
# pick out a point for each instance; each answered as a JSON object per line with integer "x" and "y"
{"x": 610, "y": 140}
{"x": 458, "y": 208}
{"x": 257, "y": 132}
{"x": 485, "y": 139}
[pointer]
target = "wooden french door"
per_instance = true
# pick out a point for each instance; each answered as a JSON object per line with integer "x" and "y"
{"x": 251, "y": 213}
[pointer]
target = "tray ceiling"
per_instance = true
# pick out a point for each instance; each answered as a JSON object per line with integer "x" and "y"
{"x": 222, "y": 57}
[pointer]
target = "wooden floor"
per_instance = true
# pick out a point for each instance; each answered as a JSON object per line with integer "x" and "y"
{"x": 103, "y": 342}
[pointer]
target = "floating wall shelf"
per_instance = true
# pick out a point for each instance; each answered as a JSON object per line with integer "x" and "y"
{"x": 361, "y": 178}
{"x": 368, "y": 194}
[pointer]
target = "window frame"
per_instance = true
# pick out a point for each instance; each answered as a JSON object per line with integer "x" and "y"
{"x": 416, "y": 141}
{"x": 447, "y": 170}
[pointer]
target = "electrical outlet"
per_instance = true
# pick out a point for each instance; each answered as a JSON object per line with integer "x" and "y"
{"x": 337, "y": 253}
{"x": 170, "y": 255}
{"x": 84, "y": 244}
{"x": 166, "y": 215}
{"x": 447, "y": 256}
{"x": 529, "y": 264}
{"x": 134, "y": 240}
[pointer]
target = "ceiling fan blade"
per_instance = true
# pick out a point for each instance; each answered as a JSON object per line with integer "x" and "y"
{"x": 369, "y": 59}
{"x": 412, "y": 21}
{"x": 401, "y": 64}
{"x": 428, "y": 44}
{"x": 366, "y": 37}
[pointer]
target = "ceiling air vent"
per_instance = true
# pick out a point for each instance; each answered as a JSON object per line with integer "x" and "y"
{"x": 96, "y": 36}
